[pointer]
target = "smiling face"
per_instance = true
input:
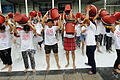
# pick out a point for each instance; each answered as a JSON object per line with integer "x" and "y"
{"x": 50, "y": 24}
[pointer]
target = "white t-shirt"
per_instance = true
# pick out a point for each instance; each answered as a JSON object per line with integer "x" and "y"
{"x": 50, "y": 35}
{"x": 26, "y": 40}
{"x": 90, "y": 34}
{"x": 117, "y": 27}
{"x": 39, "y": 29}
{"x": 78, "y": 30}
{"x": 116, "y": 37}
{"x": 5, "y": 39}
{"x": 100, "y": 29}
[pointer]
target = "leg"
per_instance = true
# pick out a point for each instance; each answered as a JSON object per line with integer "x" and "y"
{"x": 67, "y": 56}
{"x": 57, "y": 60}
{"x": 83, "y": 42}
{"x": 25, "y": 59}
{"x": 3, "y": 58}
{"x": 47, "y": 60}
{"x": 32, "y": 60}
{"x": 98, "y": 47}
{"x": 117, "y": 62}
{"x": 73, "y": 57}
{"x": 92, "y": 60}
{"x": 9, "y": 59}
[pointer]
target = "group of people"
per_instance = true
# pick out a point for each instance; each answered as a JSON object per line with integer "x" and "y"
{"x": 88, "y": 31}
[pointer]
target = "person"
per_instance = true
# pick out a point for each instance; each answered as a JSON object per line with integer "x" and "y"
{"x": 116, "y": 37}
{"x": 27, "y": 47}
{"x": 69, "y": 40}
{"x": 77, "y": 37}
{"x": 39, "y": 29}
{"x": 90, "y": 42}
{"x": 50, "y": 40}
{"x": 5, "y": 45}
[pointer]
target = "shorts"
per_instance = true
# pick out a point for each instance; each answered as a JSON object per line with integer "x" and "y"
{"x": 97, "y": 39}
{"x": 48, "y": 48}
{"x": 82, "y": 37}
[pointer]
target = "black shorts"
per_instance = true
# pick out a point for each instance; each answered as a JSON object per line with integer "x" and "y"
{"x": 48, "y": 48}
{"x": 97, "y": 38}
{"x": 39, "y": 43}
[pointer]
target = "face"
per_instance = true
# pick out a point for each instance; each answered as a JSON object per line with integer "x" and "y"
{"x": 50, "y": 24}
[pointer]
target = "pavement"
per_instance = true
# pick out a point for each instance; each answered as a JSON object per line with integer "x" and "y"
{"x": 105, "y": 73}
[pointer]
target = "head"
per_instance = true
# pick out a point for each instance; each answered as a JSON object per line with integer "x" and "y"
{"x": 2, "y": 29}
{"x": 26, "y": 28}
{"x": 35, "y": 21}
{"x": 50, "y": 23}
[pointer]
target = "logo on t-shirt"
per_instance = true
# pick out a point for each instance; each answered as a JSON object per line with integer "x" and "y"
{"x": 49, "y": 31}
{"x": 3, "y": 36}
{"x": 25, "y": 37}
{"x": 118, "y": 33}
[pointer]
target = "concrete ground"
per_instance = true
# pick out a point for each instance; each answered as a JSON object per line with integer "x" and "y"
{"x": 78, "y": 74}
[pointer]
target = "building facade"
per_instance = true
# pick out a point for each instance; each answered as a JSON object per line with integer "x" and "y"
{"x": 45, "y": 5}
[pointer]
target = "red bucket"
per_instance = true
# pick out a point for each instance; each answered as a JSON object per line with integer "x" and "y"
{"x": 33, "y": 13}
{"x": 21, "y": 18}
{"x": 93, "y": 10}
{"x": 54, "y": 14}
{"x": 67, "y": 8}
{"x": 103, "y": 13}
{"x": 82, "y": 16}
{"x": 2, "y": 19}
{"x": 39, "y": 14}
{"x": 70, "y": 28}
{"x": 78, "y": 15}
{"x": 109, "y": 19}
{"x": 18, "y": 17}
{"x": 24, "y": 19}
{"x": 10, "y": 15}
{"x": 117, "y": 15}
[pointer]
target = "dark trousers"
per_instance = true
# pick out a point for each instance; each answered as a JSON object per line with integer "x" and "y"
{"x": 77, "y": 40}
{"x": 5, "y": 56}
{"x": 108, "y": 43}
{"x": 101, "y": 39}
{"x": 117, "y": 62}
{"x": 90, "y": 50}
{"x": 25, "y": 55}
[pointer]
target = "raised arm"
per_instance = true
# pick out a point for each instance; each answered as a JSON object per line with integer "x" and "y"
{"x": 59, "y": 24}
{"x": 43, "y": 19}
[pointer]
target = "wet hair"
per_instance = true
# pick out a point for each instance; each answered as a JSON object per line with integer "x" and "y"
{"x": 26, "y": 28}
{"x": 50, "y": 20}
{"x": 2, "y": 27}
{"x": 99, "y": 18}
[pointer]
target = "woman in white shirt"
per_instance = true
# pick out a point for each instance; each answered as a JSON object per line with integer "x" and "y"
{"x": 27, "y": 47}
{"x": 5, "y": 45}
{"x": 51, "y": 40}
{"x": 116, "y": 37}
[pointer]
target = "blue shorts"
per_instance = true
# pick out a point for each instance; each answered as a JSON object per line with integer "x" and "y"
{"x": 82, "y": 37}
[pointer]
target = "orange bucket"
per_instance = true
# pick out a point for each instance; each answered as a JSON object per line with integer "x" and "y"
{"x": 70, "y": 28}
{"x": 54, "y": 14}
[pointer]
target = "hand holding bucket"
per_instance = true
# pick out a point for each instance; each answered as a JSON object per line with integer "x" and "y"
{"x": 54, "y": 14}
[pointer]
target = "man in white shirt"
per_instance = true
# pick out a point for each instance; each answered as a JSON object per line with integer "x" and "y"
{"x": 90, "y": 43}
{"x": 50, "y": 39}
